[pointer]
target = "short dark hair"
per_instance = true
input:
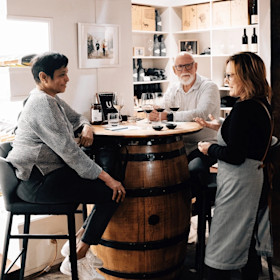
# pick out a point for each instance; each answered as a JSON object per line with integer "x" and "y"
{"x": 47, "y": 62}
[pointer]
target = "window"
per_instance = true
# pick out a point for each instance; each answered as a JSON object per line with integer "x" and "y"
{"x": 23, "y": 36}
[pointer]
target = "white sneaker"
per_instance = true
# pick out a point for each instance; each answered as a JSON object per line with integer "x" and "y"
{"x": 93, "y": 259}
{"x": 85, "y": 271}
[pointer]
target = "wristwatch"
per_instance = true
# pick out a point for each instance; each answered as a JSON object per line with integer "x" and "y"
{"x": 170, "y": 117}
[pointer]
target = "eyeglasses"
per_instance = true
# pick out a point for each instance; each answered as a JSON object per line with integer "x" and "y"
{"x": 188, "y": 66}
{"x": 229, "y": 76}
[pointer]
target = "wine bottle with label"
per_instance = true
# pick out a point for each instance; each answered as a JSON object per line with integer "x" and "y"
{"x": 162, "y": 47}
{"x": 140, "y": 71}
{"x": 156, "y": 51}
{"x": 158, "y": 21}
{"x": 244, "y": 46}
{"x": 96, "y": 112}
{"x": 254, "y": 13}
{"x": 254, "y": 42}
{"x": 134, "y": 72}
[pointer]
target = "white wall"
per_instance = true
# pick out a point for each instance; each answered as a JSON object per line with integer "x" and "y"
{"x": 65, "y": 15}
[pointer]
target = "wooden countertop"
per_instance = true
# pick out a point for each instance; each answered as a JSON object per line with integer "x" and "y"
{"x": 141, "y": 130}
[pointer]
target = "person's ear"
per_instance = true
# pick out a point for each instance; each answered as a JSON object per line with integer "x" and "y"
{"x": 43, "y": 77}
{"x": 174, "y": 70}
{"x": 195, "y": 65}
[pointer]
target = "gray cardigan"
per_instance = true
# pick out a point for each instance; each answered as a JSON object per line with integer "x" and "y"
{"x": 45, "y": 138}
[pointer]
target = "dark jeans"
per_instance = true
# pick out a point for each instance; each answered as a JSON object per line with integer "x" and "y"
{"x": 199, "y": 165}
{"x": 64, "y": 185}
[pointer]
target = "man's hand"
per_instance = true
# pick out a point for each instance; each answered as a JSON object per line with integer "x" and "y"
{"x": 154, "y": 116}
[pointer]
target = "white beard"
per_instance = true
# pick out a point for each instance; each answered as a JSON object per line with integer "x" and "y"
{"x": 186, "y": 82}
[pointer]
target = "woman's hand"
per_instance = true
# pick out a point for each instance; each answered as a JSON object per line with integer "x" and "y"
{"x": 203, "y": 147}
{"x": 117, "y": 187}
{"x": 213, "y": 123}
{"x": 86, "y": 138}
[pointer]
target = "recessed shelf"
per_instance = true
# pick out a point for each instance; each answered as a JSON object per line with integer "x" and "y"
{"x": 151, "y": 82}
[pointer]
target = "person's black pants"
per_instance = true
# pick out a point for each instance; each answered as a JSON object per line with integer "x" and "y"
{"x": 64, "y": 185}
{"x": 199, "y": 165}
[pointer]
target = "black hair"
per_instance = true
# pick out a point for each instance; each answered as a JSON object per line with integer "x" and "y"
{"x": 47, "y": 62}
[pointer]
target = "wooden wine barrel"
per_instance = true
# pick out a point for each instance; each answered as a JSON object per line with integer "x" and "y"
{"x": 147, "y": 236}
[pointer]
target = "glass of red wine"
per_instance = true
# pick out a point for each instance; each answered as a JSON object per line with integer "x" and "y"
{"x": 147, "y": 103}
{"x": 175, "y": 103}
{"x": 159, "y": 103}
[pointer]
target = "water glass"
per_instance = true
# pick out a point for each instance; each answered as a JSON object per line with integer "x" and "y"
{"x": 113, "y": 119}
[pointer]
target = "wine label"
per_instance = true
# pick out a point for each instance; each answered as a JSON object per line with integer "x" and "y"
{"x": 254, "y": 19}
{"x": 96, "y": 115}
{"x": 254, "y": 48}
{"x": 244, "y": 47}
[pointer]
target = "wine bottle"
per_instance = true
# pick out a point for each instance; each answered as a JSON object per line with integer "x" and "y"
{"x": 254, "y": 13}
{"x": 157, "y": 88}
{"x": 134, "y": 72}
{"x": 162, "y": 47}
{"x": 244, "y": 42}
{"x": 96, "y": 112}
{"x": 156, "y": 51}
{"x": 140, "y": 71}
{"x": 158, "y": 21}
{"x": 254, "y": 42}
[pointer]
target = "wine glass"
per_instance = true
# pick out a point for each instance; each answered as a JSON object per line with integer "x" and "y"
{"x": 147, "y": 103}
{"x": 175, "y": 102}
{"x": 159, "y": 103}
{"x": 118, "y": 103}
{"x": 150, "y": 46}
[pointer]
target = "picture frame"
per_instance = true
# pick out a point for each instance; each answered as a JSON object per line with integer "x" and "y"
{"x": 190, "y": 46}
{"x": 98, "y": 45}
{"x": 138, "y": 51}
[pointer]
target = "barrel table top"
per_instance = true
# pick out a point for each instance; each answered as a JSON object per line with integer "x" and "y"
{"x": 142, "y": 130}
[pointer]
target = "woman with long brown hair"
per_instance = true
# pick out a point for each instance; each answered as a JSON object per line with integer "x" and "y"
{"x": 238, "y": 233}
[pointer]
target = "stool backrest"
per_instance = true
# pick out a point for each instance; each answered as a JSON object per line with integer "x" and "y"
{"x": 8, "y": 179}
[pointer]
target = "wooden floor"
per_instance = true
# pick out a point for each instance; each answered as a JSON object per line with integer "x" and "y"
{"x": 187, "y": 273}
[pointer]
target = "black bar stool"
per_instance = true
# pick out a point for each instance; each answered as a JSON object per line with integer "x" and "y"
{"x": 15, "y": 206}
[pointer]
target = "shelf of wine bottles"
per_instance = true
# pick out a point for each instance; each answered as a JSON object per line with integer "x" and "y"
{"x": 139, "y": 89}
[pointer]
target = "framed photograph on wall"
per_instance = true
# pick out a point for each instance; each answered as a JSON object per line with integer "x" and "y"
{"x": 138, "y": 51}
{"x": 189, "y": 46}
{"x": 98, "y": 45}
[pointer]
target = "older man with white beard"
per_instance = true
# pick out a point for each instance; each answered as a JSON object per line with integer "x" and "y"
{"x": 199, "y": 97}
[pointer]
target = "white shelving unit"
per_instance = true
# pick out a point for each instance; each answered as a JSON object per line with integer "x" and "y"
{"x": 223, "y": 41}
{"x": 140, "y": 39}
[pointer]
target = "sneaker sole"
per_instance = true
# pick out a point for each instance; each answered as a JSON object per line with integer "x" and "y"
{"x": 66, "y": 272}
{"x": 65, "y": 252}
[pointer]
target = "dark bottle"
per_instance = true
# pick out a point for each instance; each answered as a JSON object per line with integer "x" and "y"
{"x": 157, "y": 88}
{"x": 254, "y": 42}
{"x": 156, "y": 51}
{"x": 158, "y": 21}
{"x": 96, "y": 112}
{"x": 134, "y": 72}
{"x": 244, "y": 41}
{"x": 254, "y": 13}
{"x": 140, "y": 71}
{"x": 162, "y": 47}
